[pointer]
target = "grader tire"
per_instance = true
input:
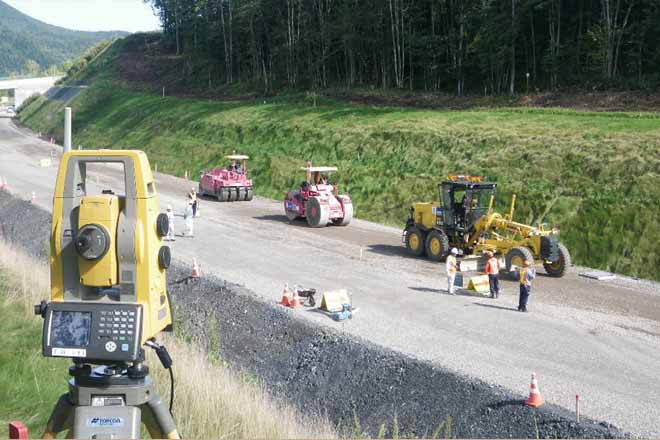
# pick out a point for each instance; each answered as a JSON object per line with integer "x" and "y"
{"x": 415, "y": 241}
{"x": 437, "y": 246}
{"x": 558, "y": 268}
{"x": 515, "y": 258}
{"x": 317, "y": 215}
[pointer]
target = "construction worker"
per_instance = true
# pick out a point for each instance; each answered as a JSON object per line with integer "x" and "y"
{"x": 193, "y": 197}
{"x": 493, "y": 270}
{"x": 527, "y": 274}
{"x": 189, "y": 217}
{"x": 170, "y": 230}
{"x": 452, "y": 268}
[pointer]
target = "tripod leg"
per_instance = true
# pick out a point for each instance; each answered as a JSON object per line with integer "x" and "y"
{"x": 150, "y": 422}
{"x": 158, "y": 419}
{"x": 60, "y": 419}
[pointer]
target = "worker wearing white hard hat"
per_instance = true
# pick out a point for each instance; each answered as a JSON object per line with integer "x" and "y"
{"x": 195, "y": 203}
{"x": 452, "y": 269}
{"x": 170, "y": 230}
{"x": 188, "y": 217}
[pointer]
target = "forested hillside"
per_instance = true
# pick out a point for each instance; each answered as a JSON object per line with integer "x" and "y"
{"x": 30, "y": 47}
{"x": 457, "y": 46}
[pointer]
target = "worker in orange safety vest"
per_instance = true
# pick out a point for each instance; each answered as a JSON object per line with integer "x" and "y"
{"x": 493, "y": 271}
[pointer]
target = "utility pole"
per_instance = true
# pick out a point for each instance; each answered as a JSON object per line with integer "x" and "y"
{"x": 67, "y": 129}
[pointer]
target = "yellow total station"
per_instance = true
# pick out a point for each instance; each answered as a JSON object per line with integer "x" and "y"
{"x": 106, "y": 242}
{"x": 97, "y": 224}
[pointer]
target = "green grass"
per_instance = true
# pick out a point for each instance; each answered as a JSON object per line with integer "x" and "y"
{"x": 593, "y": 174}
{"x": 30, "y": 383}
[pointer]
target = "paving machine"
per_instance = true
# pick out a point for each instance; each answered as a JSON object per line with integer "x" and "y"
{"x": 465, "y": 220}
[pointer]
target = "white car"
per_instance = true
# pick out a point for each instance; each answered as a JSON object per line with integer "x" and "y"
{"x": 11, "y": 112}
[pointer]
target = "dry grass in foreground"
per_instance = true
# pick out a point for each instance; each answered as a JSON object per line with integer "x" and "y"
{"x": 212, "y": 401}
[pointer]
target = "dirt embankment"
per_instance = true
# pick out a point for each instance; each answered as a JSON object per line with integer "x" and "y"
{"x": 324, "y": 371}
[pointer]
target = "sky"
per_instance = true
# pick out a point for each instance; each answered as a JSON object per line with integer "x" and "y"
{"x": 91, "y": 15}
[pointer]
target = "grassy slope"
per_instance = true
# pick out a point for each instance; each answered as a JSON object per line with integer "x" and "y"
{"x": 593, "y": 174}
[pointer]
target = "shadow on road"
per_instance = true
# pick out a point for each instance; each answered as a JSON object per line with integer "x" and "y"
{"x": 390, "y": 250}
{"x": 427, "y": 289}
{"x": 281, "y": 218}
{"x": 493, "y": 306}
{"x": 459, "y": 292}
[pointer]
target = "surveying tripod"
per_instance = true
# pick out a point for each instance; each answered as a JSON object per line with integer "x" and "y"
{"x": 109, "y": 402}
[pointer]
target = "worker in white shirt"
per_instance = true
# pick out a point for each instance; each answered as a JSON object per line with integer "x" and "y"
{"x": 189, "y": 218}
{"x": 452, "y": 268}
{"x": 170, "y": 229}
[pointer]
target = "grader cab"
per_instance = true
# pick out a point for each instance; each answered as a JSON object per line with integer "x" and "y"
{"x": 465, "y": 220}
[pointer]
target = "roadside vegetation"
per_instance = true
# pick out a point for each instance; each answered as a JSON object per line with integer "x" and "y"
{"x": 593, "y": 174}
{"x": 30, "y": 383}
{"x": 212, "y": 401}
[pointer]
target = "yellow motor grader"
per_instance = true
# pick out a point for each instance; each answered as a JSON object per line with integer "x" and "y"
{"x": 466, "y": 221}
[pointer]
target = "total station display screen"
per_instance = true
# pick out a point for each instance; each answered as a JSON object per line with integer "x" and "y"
{"x": 70, "y": 329}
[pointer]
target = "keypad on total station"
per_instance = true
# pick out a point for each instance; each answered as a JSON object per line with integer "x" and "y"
{"x": 117, "y": 325}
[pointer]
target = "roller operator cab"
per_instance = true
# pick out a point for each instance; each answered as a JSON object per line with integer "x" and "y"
{"x": 465, "y": 220}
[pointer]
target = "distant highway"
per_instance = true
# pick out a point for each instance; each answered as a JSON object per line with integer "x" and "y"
{"x": 28, "y": 86}
{"x": 600, "y": 340}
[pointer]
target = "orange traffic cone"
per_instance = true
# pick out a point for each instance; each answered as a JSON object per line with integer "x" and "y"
{"x": 535, "y": 398}
{"x": 196, "y": 271}
{"x": 34, "y": 197}
{"x": 286, "y": 302}
{"x": 295, "y": 302}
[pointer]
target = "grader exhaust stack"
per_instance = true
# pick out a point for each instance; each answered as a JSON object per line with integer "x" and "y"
{"x": 513, "y": 206}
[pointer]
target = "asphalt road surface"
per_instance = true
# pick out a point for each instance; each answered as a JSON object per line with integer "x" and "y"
{"x": 598, "y": 339}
